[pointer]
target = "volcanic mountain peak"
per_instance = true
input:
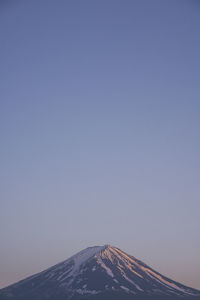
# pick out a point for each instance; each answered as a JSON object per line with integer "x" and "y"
{"x": 98, "y": 271}
{"x": 83, "y": 256}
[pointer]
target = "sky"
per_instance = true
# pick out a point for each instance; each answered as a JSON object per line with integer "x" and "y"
{"x": 100, "y": 133}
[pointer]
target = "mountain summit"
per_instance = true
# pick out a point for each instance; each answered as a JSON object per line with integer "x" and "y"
{"x": 99, "y": 273}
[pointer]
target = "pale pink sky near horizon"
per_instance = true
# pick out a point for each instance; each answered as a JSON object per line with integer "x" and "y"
{"x": 100, "y": 133}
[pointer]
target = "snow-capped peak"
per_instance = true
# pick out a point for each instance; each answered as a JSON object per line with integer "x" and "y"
{"x": 98, "y": 270}
{"x": 83, "y": 256}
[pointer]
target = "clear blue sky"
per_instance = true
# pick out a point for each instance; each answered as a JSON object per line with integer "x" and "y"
{"x": 100, "y": 133}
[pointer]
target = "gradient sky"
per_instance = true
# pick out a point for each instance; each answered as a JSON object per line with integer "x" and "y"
{"x": 100, "y": 133}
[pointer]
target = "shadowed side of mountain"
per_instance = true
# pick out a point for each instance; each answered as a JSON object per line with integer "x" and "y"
{"x": 99, "y": 273}
{"x": 122, "y": 296}
{"x": 103, "y": 296}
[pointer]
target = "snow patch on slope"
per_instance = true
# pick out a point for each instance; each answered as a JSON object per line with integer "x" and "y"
{"x": 125, "y": 288}
{"x": 132, "y": 282}
{"x": 83, "y": 292}
{"x": 108, "y": 270}
{"x": 83, "y": 256}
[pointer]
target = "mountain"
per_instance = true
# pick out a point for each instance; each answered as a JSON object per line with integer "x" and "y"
{"x": 99, "y": 273}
